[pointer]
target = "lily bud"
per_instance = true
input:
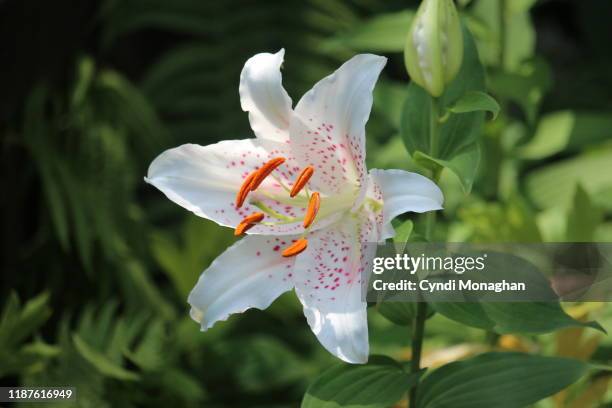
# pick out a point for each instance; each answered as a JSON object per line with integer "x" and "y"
{"x": 434, "y": 48}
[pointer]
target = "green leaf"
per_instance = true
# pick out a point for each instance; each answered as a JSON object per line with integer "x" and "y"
{"x": 85, "y": 73}
{"x": 17, "y": 322}
{"x": 512, "y": 317}
{"x": 464, "y": 3}
{"x": 380, "y": 383}
{"x": 555, "y": 184}
{"x": 567, "y": 131}
{"x": 532, "y": 317}
{"x": 388, "y": 99}
{"x": 36, "y": 135}
{"x": 470, "y": 314}
{"x": 182, "y": 383}
{"x": 101, "y": 362}
{"x": 519, "y": 34}
{"x": 504, "y": 380}
{"x": 525, "y": 87}
{"x": 458, "y": 135}
{"x": 402, "y": 234}
{"x": 82, "y": 228}
{"x": 474, "y": 101}
{"x": 383, "y": 33}
{"x": 583, "y": 218}
{"x": 400, "y": 313}
{"x": 184, "y": 261}
{"x": 464, "y": 165}
{"x": 512, "y": 221}
{"x": 149, "y": 353}
{"x": 136, "y": 281}
{"x": 263, "y": 362}
{"x": 183, "y": 18}
{"x": 516, "y": 317}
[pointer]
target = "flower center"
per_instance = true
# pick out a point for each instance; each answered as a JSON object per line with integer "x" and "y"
{"x": 299, "y": 194}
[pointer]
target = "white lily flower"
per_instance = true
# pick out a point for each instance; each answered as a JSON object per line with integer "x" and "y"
{"x": 345, "y": 206}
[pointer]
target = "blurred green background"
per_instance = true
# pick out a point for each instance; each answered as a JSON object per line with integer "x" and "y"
{"x": 96, "y": 265}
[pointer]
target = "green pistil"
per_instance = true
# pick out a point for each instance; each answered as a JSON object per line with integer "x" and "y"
{"x": 271, "y": 212}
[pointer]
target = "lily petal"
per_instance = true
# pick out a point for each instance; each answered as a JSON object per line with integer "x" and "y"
{"x": 328, "y": 125}
{"x": 263, "y": 96}
{"x": 402, "y": 192}
{"x": 249, "y": 274}
{"x": 205, "y": 180}
{"x": 328, "y": 278}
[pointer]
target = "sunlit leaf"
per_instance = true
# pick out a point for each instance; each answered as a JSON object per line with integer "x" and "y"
{"x": 554, "y": 185}
{"x": 474, "y": 101}
{"x": 403, "y": 232}
{"x": 583, "y": 218}
{"x": 518, "y": 36}
{"x": 567, "y": 131}
{"x": 464, "y": 165}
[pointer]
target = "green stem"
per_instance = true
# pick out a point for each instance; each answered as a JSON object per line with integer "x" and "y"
{"x": 418, "y": 324}
{"x": 434, "y": 121}
{"x": 418, "y": 331}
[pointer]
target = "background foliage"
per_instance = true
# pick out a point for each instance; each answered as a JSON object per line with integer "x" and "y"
{"x": 96, "y": 265}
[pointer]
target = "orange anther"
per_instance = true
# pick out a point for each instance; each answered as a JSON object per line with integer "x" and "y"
{"x": 245, "y": 188}
{"x": 253, "y": 218}
{"x": 301, "y": 181}
{"x": 295, "y": 248}
{"x": 265, "y": 171}
{"x": 312, "y": 210}
{"x": 248, "y": 222}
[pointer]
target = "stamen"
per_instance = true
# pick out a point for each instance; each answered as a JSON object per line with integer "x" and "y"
{"x": 297, "y": 247}
{"x": 253, "y": 218}
{"x": 248, "y": 222}
{"x": 301, "y": 181}
{"x": 265, "y": 171}
{"x": 312, "y": 210}
{"x": 245, "y": 188}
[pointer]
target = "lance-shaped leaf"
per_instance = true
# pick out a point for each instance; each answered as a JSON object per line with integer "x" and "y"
{"x": 503, "y": 380}
{"x": 380, "y": 383}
